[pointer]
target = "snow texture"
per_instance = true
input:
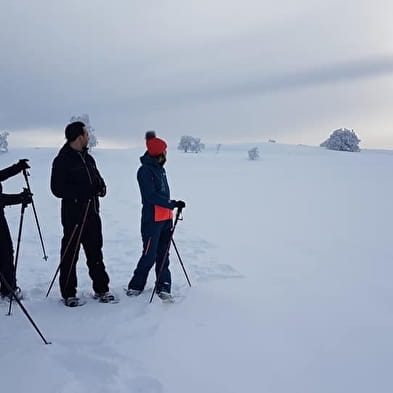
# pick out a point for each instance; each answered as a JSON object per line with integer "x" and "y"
{"x": 290, "y": 260}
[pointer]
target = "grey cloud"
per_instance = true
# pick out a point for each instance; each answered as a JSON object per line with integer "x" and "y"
{"x": 133, "y": 65}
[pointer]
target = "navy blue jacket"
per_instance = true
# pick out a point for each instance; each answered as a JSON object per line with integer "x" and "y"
{"x": 154, "y": 190}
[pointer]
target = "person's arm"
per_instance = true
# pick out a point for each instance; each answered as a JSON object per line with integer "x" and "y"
{"x": 15, "y": 199}
{"x": 100, "y": 183}
{"x": 59, "y": 185}
{"x": 148, "y": 191}
{"x": 13, "y": 170}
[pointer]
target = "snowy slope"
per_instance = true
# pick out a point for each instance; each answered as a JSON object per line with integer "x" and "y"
{"x": 290, "y": 258}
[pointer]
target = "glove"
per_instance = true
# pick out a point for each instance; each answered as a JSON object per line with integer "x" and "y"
{"x": 180, "y": 204}
{"x": 26, "y": 197}
{"x": 101, "y": 190}
{"x": 22, "y": 164}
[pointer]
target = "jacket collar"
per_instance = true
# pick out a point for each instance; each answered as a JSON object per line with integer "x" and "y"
{"x": 67, "y": 149}
{"x": 147, "y": 159}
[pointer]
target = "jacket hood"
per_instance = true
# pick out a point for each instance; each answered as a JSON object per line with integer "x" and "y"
{"x": 149, "y": 160}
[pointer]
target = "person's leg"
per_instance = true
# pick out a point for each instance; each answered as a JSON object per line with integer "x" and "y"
{"x": 67, "y": 279}
{"x": 6, "y": 257}
{"x": 92, "y": 242}
{"x": 164, "y": 280}
{"x": 150, "y": 238}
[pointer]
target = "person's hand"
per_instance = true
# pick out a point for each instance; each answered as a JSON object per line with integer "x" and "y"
{"x": 26, "y": 197}
{"x": 180, "y": 204}
{"x": 22, "y": 164}
{"x": 101, "y": 190}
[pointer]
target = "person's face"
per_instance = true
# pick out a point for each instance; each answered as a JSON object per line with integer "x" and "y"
{"x": 162, "y": 158}
{"x": 84, "y": 138}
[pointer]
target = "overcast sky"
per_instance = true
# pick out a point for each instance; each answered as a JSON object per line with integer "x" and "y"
{"x": 225, "y": 71}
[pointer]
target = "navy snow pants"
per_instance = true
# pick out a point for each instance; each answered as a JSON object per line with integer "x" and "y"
{"x": 155, "y": 237}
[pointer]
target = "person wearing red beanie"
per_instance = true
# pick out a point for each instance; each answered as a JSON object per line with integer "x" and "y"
{"x": 156, "y": 219}
{"x": 156, "y": 146}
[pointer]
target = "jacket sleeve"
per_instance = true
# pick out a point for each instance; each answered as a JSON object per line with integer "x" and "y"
{"x": 58, "y": 183}
{"x": 148, "y": 190}
{"x": 9, "y": 172}
{"x": 99, "y": 179}
{"x": 10, "y": 199}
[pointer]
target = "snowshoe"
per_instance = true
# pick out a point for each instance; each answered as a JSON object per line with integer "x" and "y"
{"x": 74, "y": 301}
{"x": 106, "y": 297}
{"x": 132, "y": 292}
{"x": 166, "y": 297}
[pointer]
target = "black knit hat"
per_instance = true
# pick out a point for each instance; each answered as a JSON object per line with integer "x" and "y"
{"x": 73, "y": 130}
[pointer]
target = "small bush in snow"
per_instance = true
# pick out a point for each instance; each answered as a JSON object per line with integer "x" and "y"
{"x": 3, "y": 141}
{"x": 84, "y": 118}
{"x": 189, "y": 143}
{"x": 253, "y": 154}
{"x": 342, "y": 140}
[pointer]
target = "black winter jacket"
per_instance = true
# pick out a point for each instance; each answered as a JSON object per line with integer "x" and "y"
{"x": 8, "y": 199}
{"x": 75, "y": 177}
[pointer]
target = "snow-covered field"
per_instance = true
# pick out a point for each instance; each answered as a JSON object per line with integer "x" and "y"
{"x": 291, "y": 262}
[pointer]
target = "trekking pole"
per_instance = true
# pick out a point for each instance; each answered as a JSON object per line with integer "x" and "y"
{"x": 181, "y": 262}
{"x": 61, "y": 259}
{"x": 4, "y": 281}
{"x": 26, "y": 174}
{"x": 78, "y": 241}
{"x": 22, "y": 213}
{"x": 178, "y": 217}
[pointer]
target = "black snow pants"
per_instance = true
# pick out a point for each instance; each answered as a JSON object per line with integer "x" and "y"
{"x": 91, "y": 241}
{"x": 6, "y": 256}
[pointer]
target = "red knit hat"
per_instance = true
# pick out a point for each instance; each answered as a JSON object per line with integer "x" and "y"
{"x": 155, "y": 146}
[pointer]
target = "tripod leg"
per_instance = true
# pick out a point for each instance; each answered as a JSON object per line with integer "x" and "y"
{"x": 26, "y": 174}
{"x": 23, "y": 308}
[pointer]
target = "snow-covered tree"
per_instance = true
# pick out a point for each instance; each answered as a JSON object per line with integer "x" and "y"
{"x": 189, "y": 143}
{"x": 84, "y": 118}
{"x": 253, "y": 154}
{"x": 3, "y": 141}
{"x": 342, "y": 140}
